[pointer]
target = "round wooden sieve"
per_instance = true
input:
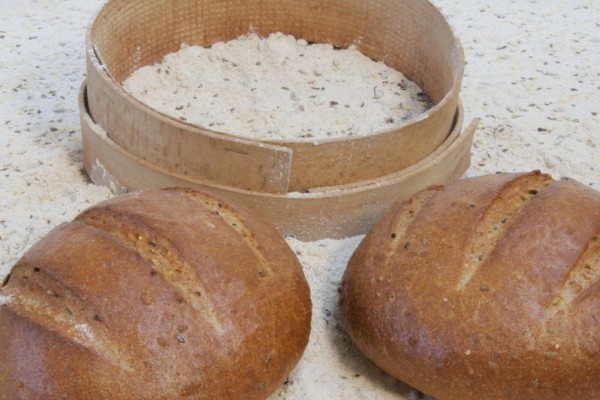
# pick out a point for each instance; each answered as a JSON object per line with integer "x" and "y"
{"x": 409, "y": 35}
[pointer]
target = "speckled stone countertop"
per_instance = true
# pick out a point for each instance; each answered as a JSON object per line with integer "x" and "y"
{"x": 532, "y": 75}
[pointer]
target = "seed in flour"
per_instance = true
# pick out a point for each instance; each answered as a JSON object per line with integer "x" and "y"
{"x": 280, "y": 88}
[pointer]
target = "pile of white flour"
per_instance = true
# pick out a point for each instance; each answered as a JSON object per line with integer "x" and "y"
{"x": 532, "y": 76}
{"x": 279, "y": 88}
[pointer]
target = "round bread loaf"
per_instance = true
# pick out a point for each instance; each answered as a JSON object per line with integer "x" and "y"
{"x": 488, "y": 288}
{"x": 159, "y": 294}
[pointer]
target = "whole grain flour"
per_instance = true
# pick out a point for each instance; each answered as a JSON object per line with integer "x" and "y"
{"x": 279, "y": 88}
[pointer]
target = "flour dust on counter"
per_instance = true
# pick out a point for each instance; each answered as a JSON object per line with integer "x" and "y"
{"x": 42, "y": 65}
{"x": 279, "y": 88}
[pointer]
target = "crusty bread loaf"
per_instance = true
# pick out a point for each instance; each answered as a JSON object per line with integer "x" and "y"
{"x": 488, "y": 288}
{"x": 160, "y": 294}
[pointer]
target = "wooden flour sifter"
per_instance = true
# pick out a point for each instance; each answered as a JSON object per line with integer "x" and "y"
{"x": 310, "y": 189}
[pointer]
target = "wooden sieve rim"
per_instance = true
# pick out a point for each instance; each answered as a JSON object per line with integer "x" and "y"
{"x": 291, "y": 212}
{"x": 322, "y": 192}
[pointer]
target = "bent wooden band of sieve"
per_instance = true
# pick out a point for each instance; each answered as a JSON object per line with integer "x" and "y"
{"x": 329, "y": 212}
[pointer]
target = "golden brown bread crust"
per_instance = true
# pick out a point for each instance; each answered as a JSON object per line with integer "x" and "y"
{"x": 159, "y": 294}
{"x": 488, "y": 288}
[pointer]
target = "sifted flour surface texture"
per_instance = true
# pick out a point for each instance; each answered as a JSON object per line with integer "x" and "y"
{"x": 279, "y": 88}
